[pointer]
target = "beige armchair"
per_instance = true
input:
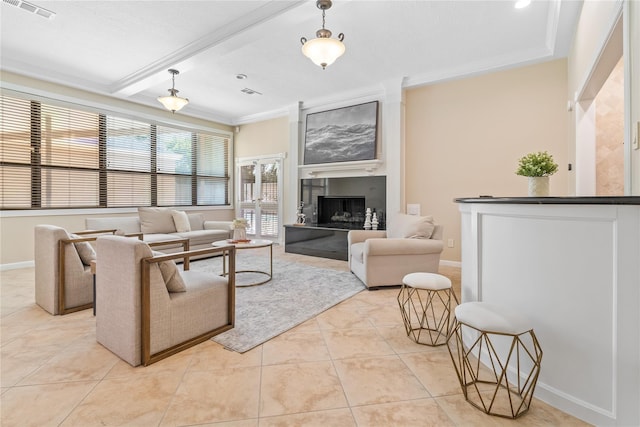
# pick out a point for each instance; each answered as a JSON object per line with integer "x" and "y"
{"x": 63, "y": 279}
{"x": 382, "y": 258}
{"x": 147, "y": 309}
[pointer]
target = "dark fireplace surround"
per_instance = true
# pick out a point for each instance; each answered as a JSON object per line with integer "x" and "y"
{"x": 342, "y": 202}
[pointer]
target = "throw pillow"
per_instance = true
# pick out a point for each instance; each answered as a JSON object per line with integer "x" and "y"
{"x": 196, "y": 220}
{"x": 404, "y": 226}
{"x": 156, "y": 220}
{"x": 181, "y": 221}
{"x": 85, "y": 250}
{"x": 171, "y": 275}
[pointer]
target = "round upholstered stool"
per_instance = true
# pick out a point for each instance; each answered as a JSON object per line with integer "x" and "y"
{"x": 426, "y": 301}
{"x": 497, "y": 358}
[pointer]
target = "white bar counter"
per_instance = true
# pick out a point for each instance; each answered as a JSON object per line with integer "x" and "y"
{"x": 572, "y": 266}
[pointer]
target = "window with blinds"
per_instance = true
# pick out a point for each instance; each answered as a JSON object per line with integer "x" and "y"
{"x": 58, "y": 157}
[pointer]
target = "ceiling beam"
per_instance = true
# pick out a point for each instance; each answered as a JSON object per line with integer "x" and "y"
{"x": 156, "y": 71}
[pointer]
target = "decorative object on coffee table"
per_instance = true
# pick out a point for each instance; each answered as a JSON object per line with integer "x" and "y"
{"x": 537, "y": 167}
{"x": 240, "y": 230}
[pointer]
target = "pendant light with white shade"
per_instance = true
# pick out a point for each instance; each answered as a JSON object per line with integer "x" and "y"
{"x": 323, "y": 50}
{"x": 173, "y": 102}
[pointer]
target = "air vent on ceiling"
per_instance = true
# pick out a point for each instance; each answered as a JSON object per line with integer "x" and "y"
{"x": 32, "y": 8}
{"x": 250, "y": 91}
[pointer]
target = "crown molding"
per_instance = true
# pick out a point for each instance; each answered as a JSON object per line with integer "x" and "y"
{"x": 477, "y": 68}
{"x": 259, "y": 117}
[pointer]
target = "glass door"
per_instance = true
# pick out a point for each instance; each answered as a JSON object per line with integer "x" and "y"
{"x": 260, "y": 197}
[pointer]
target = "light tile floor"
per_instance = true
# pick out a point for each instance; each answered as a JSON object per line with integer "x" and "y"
{"x": 352, "y": 365}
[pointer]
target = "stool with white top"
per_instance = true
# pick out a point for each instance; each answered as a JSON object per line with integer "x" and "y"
{"x": 426, "y": 301}
{"x": 497, "y": 358}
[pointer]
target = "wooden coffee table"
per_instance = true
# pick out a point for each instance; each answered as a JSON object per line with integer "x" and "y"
{"x": 251, "y": 244}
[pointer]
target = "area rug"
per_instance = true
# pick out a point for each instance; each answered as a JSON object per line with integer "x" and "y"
{"x": 296, "y": 293}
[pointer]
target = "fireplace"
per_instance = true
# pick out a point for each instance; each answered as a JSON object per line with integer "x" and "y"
{"x": 342, "y": 202}
{"x": 332, "y": 207}
{"x": 340, "y": 211}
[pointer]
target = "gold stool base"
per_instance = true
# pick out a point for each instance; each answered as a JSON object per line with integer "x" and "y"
{"x": 426, "y": 314}
{"x": 503, "y": 386}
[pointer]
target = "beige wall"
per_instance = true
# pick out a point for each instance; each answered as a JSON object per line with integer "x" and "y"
{"x": 16, "y": 232}
{"x": 263, "y": 138}
{"x": 464, "y": 138}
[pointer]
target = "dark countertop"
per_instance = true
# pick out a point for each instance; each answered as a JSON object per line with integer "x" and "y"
{"x": 574, "y": 200}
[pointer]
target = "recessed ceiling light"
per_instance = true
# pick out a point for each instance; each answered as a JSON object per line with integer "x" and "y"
{"x": 520, "y": 4}
{"x": 241, "y": 76}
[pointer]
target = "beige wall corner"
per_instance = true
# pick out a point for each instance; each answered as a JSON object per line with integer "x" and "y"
{"x": 464, "y": 138}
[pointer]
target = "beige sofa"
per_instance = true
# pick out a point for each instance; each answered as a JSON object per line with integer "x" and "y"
{"x": 164, "y": 224}
{"x": 382, "y": 258}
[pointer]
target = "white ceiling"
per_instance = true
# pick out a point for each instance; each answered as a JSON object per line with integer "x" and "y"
{"x": 124, "y": 48}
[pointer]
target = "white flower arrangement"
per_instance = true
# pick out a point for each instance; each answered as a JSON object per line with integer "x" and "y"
{"x": 240, "y": 223}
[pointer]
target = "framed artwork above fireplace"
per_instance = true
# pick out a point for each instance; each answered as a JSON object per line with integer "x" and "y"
{"x": 341, "y": 135}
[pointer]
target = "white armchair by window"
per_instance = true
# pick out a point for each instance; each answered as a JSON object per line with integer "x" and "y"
{"x": 383, "y": 257}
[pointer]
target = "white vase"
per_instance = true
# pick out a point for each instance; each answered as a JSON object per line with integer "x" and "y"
{"x": 538, "y": 186}
{"x": 239, "y": 234}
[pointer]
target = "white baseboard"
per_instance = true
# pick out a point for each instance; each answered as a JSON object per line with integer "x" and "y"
{"x": 451, "y": 263}
{"x": 17, "y": 265}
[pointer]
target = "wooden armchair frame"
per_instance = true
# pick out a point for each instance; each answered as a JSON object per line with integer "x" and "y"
{"x": 147, "y": 357}
{"x": 183, "y": 242}
{"x": 61, "y": 266}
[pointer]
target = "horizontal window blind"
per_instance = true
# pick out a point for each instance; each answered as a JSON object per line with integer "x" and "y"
{"x": 213, "y": 169}
{"x": 57, "y": 157}
{"x": 15, "y": 155}
{"x": 128, "y": 162}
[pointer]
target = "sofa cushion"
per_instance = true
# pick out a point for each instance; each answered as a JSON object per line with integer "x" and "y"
{"x": 403, "y": 226}
{"x": 156, "y": 220}
{"x": 170, "y": 274}
{"x": 196, "y": 221}
{"x": 85, "y": 250}
{"x": 181, "y": 221}
{"x": 203, "y": 237}
{"x": 356, "y": 252}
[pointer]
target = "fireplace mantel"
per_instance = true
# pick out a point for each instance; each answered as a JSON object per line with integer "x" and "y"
{"x": 326, "y": 170}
